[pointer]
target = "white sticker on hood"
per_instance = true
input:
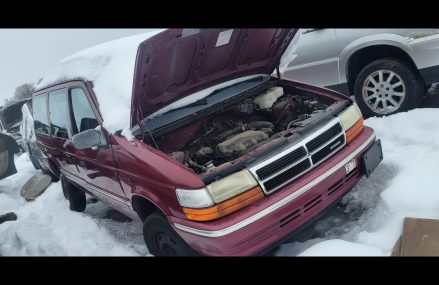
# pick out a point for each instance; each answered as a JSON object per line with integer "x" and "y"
{"x": 224, "y": 38}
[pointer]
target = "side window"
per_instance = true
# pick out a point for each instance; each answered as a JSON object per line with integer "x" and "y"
{"x": 83, "y": 116}
{"x": 40, "y": 114}
{"x": 59, "y": 115}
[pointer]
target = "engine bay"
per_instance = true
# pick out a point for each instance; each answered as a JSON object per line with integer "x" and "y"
{"x": 234, "y": 131}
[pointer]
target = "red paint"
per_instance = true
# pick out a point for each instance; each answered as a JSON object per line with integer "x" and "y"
{"x": 126, "y": 168}
{"x": 171, "y": 66}
{"x": 266, "y": 231}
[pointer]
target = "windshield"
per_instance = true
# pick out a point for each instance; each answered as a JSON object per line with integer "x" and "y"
{"x": 216, "y": 97}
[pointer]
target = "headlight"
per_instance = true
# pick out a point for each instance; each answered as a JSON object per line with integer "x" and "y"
{"x": 229, "y": 195}
{"x": 194, "y": 198}
{"x": 352, "y": 122}
{"x": 231, "y": 185}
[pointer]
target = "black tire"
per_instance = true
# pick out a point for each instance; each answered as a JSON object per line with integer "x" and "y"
{"x": 414, "y": 86}
{"x": 64, "y": 186}
{"x": 53, "y": 176}
{"x": 75, "y": 195}
{"x": 32, "y": 158}
{"x": 162, "y": 240}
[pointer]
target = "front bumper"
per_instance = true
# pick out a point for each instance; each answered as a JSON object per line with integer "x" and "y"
{"x": 268, "y": 221}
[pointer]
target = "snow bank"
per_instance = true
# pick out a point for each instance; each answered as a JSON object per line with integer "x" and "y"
{"x": 110, "y": 66}
{"x": 47, "y": 226}
{"x": 338, "y": 247}
{"x": 404, "y": 185}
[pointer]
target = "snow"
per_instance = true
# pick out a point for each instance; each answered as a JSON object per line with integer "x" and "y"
{"x": 47, "y": 226}
{"x": 368, "y": 223}
{"x": 338, "y": 247}
{"x": 28, "y": 133}
{"x": 110, "y": 66}
{"x": 403, "y": 185}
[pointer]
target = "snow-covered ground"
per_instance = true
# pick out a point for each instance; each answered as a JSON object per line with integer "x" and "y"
{"x": 403, "y": 185}
{"x": 368, "y": 223}
{"x": 46, "y": 226}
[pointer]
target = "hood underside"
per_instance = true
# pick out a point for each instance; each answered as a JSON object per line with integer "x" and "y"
{"x": 178, "y": 62}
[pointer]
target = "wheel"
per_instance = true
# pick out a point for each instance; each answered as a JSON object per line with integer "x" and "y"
{"x": 64, "y": 187}
{"x": 387, "y": 86}
{"x": 75, "y": 195}
{"x": 32, "y": 158}
{"x": 161, "y": 239}
{"x": 53, "y": 176}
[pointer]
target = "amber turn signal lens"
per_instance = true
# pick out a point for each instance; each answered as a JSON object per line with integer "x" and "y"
{"x": 355, "y": 130}
{"x": 226, "y": 207}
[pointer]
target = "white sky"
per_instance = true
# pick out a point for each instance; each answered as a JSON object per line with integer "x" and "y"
{"x": 26, "y": 54}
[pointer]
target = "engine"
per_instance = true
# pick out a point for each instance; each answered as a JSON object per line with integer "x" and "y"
{"x": 229, "y": 134}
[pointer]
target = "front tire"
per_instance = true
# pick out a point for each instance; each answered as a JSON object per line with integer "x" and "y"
{"x": 161, "y": 239}
{"x": 387, "y": 86}
{"x": 75, "y": 195}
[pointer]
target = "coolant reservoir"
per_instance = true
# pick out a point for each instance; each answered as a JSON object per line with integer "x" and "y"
{"x": 267, "y": 99}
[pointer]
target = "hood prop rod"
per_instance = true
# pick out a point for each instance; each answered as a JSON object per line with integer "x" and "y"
{"x": 278, "y": 71}
{"x": 140, "y": 114}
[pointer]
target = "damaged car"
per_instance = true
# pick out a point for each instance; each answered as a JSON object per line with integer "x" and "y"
{"x": 11, "y": 116}
{"x": 29, "y": 142}
{"x": 195, "y": 133}
{"x": 8, "y": 148}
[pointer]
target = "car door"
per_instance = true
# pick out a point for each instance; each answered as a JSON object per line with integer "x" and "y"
{"x": 316, "y": 60}
{"x": 96, "y": 165}
{"x": 52, "y": 146}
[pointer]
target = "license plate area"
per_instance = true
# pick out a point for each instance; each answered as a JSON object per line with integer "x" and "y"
{"x": 371, "y": 158}
{"x": 351, "y": 165}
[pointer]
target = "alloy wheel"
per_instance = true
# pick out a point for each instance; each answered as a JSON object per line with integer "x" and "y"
{"x": 383, "y": 91}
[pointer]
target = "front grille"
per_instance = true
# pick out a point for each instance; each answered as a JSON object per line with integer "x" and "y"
{"x": 316, "y": 200}
{"x": 300, "y": 159}
{"x": 323, "y": 138}
{"x": 287, "y": 175}
{"x": 281, "y": 163}
{"x": 309, "y": 205}
{"x": 324, "y": 152}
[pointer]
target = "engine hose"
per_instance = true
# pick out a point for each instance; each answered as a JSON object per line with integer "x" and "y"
{"x": 228, "y": 133}
{"x": 202, "y": 136}
{"x": 194, "y": 164}
{"x": 257, "y": 125}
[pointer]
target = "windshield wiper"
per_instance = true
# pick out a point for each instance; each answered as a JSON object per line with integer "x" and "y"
{"x": 193, "y": 104}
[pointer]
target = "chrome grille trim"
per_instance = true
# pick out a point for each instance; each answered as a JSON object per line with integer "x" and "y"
{"x": 254, "y": 168}
{"x": 270, "y": 209}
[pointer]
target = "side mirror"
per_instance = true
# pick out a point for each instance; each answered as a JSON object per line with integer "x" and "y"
{"x": 88, "y": 139}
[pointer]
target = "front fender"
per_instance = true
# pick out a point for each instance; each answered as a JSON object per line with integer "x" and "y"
{"x": 368, "y": 41}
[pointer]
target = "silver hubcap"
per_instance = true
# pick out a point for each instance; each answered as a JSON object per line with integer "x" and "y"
{"x": 383, "y": 91}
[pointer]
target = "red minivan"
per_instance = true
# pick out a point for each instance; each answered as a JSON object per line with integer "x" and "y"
{"x": 199, "y": 140}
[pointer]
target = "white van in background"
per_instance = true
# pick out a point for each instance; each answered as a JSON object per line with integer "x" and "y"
{"x": 387, "y": 70}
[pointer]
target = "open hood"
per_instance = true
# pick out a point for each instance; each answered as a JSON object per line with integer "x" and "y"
{"x": 178, "y": 62}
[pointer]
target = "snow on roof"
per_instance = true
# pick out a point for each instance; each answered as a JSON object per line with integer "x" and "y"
{"x": 110, "y": 66}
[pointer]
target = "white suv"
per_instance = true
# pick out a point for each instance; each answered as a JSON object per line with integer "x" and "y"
{"x": 388, "y": 70}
